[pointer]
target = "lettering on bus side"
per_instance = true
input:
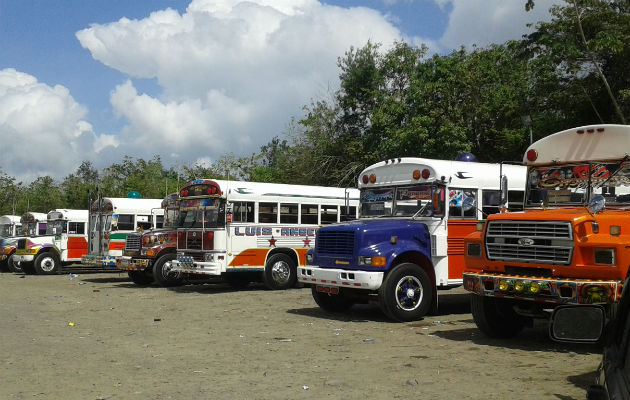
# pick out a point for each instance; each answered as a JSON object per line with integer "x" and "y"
{"x": 268, "y": 231}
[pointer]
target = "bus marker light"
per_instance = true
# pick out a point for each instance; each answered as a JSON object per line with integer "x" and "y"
{"x": 615, "y": 230}
{"x": 532, "y": 155}
{"x": 504, "y": 286}
{"x": 416, "y": 174}
{"x": 372, "y": 178}
{"x": 519, "y": 286}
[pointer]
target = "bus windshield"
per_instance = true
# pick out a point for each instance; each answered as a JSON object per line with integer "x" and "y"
{"x": 576, "y": 184}
{"x": 56, "y": 227}
{"x": 202, "y": 213}
{"x": 403, "y": 201}
{"x": 5, "y": 230}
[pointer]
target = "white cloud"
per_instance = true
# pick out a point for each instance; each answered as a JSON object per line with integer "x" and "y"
{"x": 233, "y": 73}
{"x": 482, "y": 22}
{"x": 42, "y": 127}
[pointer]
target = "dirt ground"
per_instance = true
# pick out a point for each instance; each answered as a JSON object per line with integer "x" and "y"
{"x": 99, "y": 336}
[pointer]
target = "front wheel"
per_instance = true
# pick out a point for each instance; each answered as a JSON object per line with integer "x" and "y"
{"x": 331, "y": 302}
{"x": 47, "y": 263}
{"x": 140, "y": 278}
{"x": 496, "y": 317}
{"x": 406, "y": 293}
{"x": 13, "y": 265}
{"x": 163, "y": 273}
{"x": 280, "y": 272}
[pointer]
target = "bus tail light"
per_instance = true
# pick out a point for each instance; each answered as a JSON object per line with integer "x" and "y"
{"x": 425, "y": 174}
{"x": 365, "y": 179}
{"x": 208, "y": 241}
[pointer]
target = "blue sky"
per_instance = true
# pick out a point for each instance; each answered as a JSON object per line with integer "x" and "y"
{"x": 99, "y": 79}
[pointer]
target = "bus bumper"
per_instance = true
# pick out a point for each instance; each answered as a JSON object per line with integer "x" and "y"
{"x": 98, "y": 261}
{"x": 187, "y": 265}
{"x": 131, "y": 264}
{"x": 368, "y": 280}
{"x": 543, "y": 290}
{"x": 23, "y": 257}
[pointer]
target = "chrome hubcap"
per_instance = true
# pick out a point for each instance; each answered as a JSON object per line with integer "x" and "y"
{"x": 280, "y": 272}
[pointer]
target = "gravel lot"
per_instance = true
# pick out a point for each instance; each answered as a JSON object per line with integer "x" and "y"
{"x": 99, "y": 336}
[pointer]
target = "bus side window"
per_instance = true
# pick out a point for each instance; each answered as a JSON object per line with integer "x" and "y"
{"x": 308, "y": 214}
{"x": 288, "y": 213}
{"x": 76, "y": 228}
{"x": 125, "y": 222}
{"x": 243, "y": 211}
{"x": 329, "y": 214}
{"x": 144, "y": 222}
{"x": 159, "y": 221}
{"x": 42, "y": 228}
{"x": 268, "y": 213}
{"x": 515, "y": 200}
{"x": 456, "y": 199}
{"x": 491, "y": 201}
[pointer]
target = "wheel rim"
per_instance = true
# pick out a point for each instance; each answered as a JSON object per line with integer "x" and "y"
{"x": 167, "y": 271}
{"x": 16, "y": 266}
{"x": 409, "y": 293}
{"x": 281, "y": 272}
{"x": 47, "y": 264}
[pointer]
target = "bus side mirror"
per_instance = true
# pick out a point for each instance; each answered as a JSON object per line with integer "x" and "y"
{"x": 504, "y": 191}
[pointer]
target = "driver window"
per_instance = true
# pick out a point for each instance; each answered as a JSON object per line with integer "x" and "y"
{"x": 457, "y": 198}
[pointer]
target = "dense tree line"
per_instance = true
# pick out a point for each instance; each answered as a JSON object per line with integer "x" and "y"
{"x": 571, "y": 71}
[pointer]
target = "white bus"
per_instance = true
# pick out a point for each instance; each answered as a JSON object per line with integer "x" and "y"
{"x": 409, "y": 240}
{"x": 65, "y": 242}
{"x": 111, "y": 219}
{"x": 10, "y": 227}
{"x": 32, "y": 224}
{"x": 246, "y": 231}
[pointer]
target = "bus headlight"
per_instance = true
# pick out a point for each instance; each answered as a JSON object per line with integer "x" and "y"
{"x": 373, "y": 261}
{"x": 473, "y": 249}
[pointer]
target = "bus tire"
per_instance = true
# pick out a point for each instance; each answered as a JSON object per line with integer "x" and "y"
{"x": 331, "y": 302}
{"x": 496, "y": 317}
{"x": 12, "y": 265}
{"x": 162, "y": 271}
{"x": 47, "y": 263}
{"x": 140, "y": 278}
{"x": 406, "y": 293}
{"x": 280, "y": 272}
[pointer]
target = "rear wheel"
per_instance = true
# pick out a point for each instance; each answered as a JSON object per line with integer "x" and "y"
{"x": 47, "y": 263}
{"x": 140, "y": 278}
{"x": 496, "y": 317}
{"x": 406, "y": 293}
{"x": 331, "y": 302}
{"x": 280, "y": 272}
{"x": 163, "y": 273}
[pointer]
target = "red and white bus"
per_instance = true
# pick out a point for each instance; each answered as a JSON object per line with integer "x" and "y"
{"x": 65, "y": 242}
{"x": 246, "y": 231}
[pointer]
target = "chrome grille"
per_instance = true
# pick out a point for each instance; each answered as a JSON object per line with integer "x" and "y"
{"x": 547, "y": 242}
{"x": 334, "y": 242}
{"x": 133, "y": 242}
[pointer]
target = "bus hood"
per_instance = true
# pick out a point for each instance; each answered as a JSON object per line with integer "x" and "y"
{"x": 575, "y": 214}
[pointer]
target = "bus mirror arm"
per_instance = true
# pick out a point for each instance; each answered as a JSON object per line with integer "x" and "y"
{"x": 504, "y": 192}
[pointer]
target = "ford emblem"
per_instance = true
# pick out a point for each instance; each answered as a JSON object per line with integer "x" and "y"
{"x": 526, "y": 241}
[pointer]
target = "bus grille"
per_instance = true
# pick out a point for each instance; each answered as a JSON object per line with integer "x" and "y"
{"x": 133, "y": 242}
{"x": 547, "y": 242}
{"x": 335, "y": 242}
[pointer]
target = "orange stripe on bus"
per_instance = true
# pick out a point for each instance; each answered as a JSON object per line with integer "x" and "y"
{"x": 116, "y": 245}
